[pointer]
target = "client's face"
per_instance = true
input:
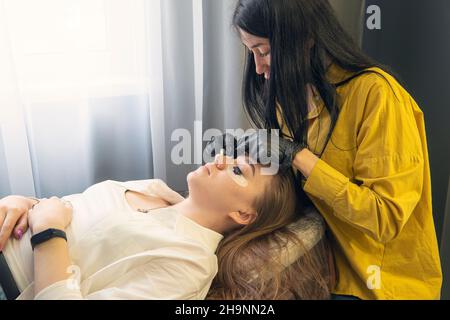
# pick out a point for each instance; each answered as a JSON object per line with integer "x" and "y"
{"x": 228, "y": 185}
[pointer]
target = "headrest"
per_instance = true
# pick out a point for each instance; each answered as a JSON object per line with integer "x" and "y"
{"x": 310, "y": 229}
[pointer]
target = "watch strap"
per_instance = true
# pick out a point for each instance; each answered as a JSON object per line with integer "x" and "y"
{"x": 47, "y": 235}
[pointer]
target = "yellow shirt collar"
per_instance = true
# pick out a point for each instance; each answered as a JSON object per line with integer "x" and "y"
{"x": 315, "y": 103}
{"x": 336, "y": 74}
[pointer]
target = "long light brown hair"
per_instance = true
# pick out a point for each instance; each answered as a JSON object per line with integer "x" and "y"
{"x": 250, "y": 266}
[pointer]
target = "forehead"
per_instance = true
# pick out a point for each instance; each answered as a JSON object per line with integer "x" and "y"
{"x": 251, "y": 40}
{"x": 245, "y": 159}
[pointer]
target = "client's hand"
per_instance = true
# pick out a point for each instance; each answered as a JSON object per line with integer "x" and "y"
{"x": 50, "y": 214}
{"x": 227, "y": 142}
{"x": 13, "y": 217}
{"x": 262, "y": 145}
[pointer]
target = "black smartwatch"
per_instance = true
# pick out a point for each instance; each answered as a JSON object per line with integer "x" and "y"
{"x": 46, "y": 236}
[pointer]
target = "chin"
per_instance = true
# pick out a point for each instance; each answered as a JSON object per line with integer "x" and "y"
{"x": 193, "y": 181}
{"x": 198, "y": 185}
{"x": 190, "y": 180}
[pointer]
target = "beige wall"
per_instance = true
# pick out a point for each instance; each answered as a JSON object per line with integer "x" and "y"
{"x": 350, "y": 13}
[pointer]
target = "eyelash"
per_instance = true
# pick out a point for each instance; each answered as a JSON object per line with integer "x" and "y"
{"x": 262, "y": 55}
{"x": 237, "y": 171}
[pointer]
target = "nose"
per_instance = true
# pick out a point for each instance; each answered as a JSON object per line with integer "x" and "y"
{"x": 221, "y": 161}
{"x": 260, "y": 65}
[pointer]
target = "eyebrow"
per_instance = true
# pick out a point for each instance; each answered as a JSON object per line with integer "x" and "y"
{"x": 257, "y": 45}
{"x": 252, "y": 166}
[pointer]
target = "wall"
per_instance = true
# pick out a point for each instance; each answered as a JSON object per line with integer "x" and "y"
{"x": 350, "y": 15}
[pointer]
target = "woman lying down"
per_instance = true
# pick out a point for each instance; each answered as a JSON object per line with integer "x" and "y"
{"x": 142, "y": 240}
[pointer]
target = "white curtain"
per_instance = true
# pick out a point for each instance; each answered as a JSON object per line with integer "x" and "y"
{"x": 92, "y": 90}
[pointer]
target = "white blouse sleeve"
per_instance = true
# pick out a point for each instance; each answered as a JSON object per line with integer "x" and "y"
{"x": 59, "y": 291}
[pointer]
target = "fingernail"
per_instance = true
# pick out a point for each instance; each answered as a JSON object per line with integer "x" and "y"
{"x": 19, "y": 234}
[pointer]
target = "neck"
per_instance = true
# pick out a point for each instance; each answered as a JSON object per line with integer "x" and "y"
{"x": 201, "y": 216}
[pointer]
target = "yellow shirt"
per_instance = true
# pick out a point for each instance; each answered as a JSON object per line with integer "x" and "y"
{"x": 373, "y": 187}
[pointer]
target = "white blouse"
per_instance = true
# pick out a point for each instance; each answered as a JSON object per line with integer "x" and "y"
{"x": 119, "y": 253}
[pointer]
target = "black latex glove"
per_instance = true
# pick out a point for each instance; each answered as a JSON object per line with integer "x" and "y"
{"x": 259, "y": 147}
{"x": 228, "y": 142}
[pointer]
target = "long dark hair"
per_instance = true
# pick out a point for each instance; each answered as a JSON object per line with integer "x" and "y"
{"x": 290, "y": 25}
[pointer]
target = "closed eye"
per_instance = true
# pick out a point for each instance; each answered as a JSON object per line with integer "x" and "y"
{"x": 237, "y": 171}
{"x": 259, "y": 53}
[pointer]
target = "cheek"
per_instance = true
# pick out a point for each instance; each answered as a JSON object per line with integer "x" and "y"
{"x": 231, "y": 191}
{"x": 229, "y": 186}
{"x": 222, "y": 189}
{"x": 245, "y": 196}
{"x": 218, "y": 185}
{"x": 239, "y": 180}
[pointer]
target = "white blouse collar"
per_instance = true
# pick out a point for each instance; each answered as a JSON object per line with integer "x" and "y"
{"x": 158, "y": 188}
{"x": 155, "y": 188}
{"x": 207, "y": 237}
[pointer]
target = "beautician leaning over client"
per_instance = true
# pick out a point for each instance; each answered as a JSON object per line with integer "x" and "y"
{"x": 357, "y": 139}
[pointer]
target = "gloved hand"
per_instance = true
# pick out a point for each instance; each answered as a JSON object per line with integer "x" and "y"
{"x": 260, "y": 148}
{"x": 228, "y": 142}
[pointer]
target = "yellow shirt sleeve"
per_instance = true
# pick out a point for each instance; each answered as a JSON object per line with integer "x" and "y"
{"x": 388, "y": 167}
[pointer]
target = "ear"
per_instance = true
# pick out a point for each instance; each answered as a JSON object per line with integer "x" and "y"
{"x": 243, "y": 218}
